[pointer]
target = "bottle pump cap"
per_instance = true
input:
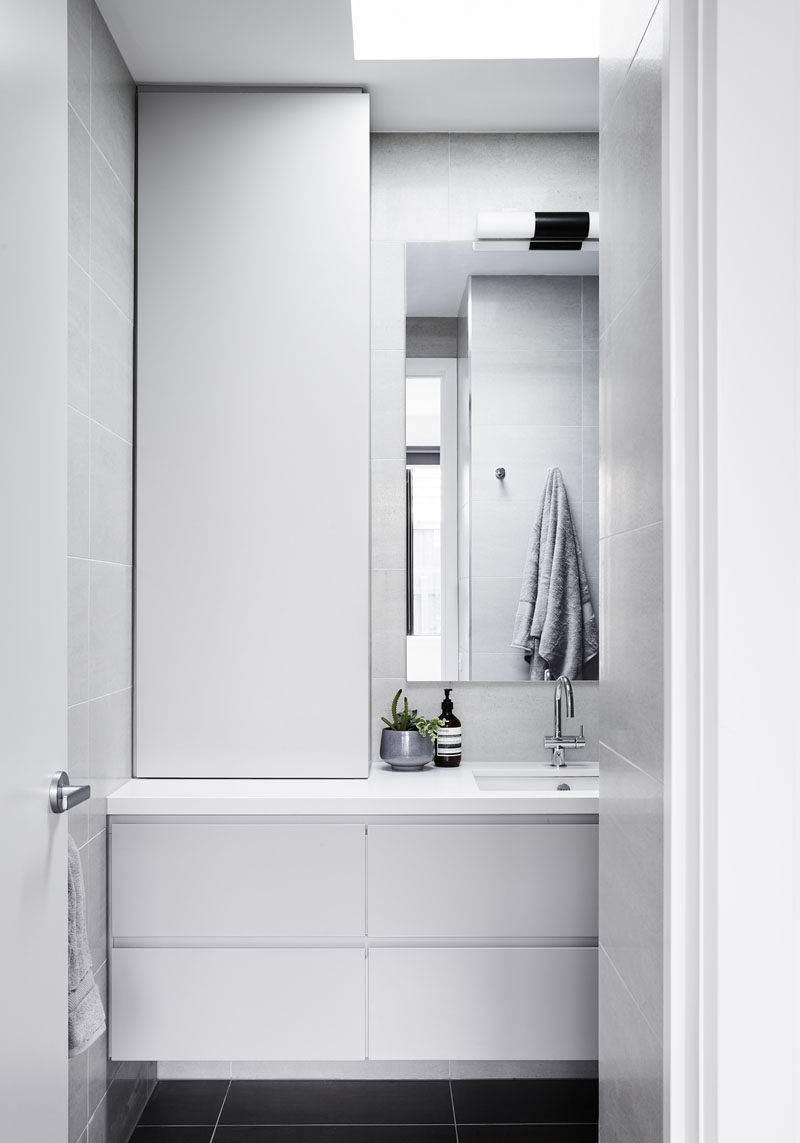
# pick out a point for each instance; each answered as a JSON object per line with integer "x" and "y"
{"x": 447, "y": 705}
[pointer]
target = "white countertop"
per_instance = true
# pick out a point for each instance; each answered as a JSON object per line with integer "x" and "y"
{"x": 385, "y": 792}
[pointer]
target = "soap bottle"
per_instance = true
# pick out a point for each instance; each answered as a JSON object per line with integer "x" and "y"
{"x": 448, "y": 740}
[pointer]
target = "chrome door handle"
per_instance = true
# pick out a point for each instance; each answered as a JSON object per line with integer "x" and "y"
{"x": 63, "y": 796}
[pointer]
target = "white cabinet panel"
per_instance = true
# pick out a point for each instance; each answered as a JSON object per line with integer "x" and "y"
{"x": 237, "y": 880}
{"x": 451, "y": 881}
{"x": 252, "y": 471}
{"x": 483, "y": 1004}
{"x": 237, "y": 1004}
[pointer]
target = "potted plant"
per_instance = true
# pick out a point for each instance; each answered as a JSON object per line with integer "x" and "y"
{"x": 408, "y": 740}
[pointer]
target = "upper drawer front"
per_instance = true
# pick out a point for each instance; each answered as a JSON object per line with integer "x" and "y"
{"x": 237, "y": 880}
{"x": 482, "y": 881}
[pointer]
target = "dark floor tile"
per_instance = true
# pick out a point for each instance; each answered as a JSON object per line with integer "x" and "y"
{"x": 525, "y": 1101}
{"x": 360, "y": 1133}
{"x": 527, "y": 1133}
{"x": 172, "y": 1134}
{"x": 188, "y": 1102}
{"x": 338, "y": 1101}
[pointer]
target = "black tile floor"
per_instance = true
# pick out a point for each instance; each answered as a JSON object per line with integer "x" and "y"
{"x": 370, "y": 1111}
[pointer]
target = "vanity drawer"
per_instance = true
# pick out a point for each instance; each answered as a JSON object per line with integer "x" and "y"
{"x": 172, "y": 880}
{"x": 451, "y": 881}
{"x": 237, "y": 1004}
{"x": 483, "y": 1004}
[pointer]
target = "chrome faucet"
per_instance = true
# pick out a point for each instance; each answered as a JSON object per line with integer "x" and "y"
{"x": 558, "y": 742}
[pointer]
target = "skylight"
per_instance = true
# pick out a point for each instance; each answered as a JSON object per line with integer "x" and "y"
{"x": 474, "y": 29}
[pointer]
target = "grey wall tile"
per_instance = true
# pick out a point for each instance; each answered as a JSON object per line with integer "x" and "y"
{"x": 112, "y": 497}
{"x": 77, "y": 1096}
{"x": 409, "y": 187}
{"x": 515, "y": 390}
{"x": 631, "y": 1086}
{"x": 519, "y": 172}
{"x": 109, "y": 629}
{"x": 500, "y": 535}
{"x": 537, "y": 318}
{"x": 631, "y": 880}
{"x": 631, "y": 424}
{"x": 79, "y": 30}
{"x": 632, "y": 638}
{"x": 111, "y": 234}
{"x": 110, "y": 735}
{"x": 77, "y": 631}
{"x": 93, "y": 857}
{"x": 388, "y": 383}
{"x": 79, "y": 146}
{"x": 630, "y": 188}
{"x": 118, "y": 1114}
{"x": 622, "y": 25}
{"x": 508, "y": 667}
{"x": 111, "y": 366}
{"x": 590, "y": 287}
{"x": 388, "y": 515}
{"x": 101, "y": 1069}
{"x": 526, "y": 452}
{"x": 387, "y": 436}
{"x": 388, "y": 293}
{"x": 79, "y": 459}
{"x": 113, "y": 103}
{"x": 431, "y": 337}
{"x": 78, "y": 339}
{"x": 78, "y": 769}
{"x": 388, "y": 624}
{"x": 591, "y": 388}
{"x": 494, "y": 608}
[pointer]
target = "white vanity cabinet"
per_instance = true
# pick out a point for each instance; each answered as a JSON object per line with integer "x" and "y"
{"x": 310, "y": 939}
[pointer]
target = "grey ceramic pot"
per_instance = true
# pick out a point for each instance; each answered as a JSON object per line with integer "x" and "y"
{"x": 406, "y": 749}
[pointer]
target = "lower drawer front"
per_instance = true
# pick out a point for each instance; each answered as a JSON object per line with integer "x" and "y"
{"x": 483, "y": 1004}
{"x": 237, "y": 1004}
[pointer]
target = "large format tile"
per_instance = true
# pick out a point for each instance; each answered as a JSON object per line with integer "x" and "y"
{"x": 494, "y": 608}
{"x": 513, "y": 389}
{"x": 117, "y": 1115}
{"x": 631, "y": 1087}
{"x": 409, "y": 187}
{"x": 110, "y": 735}
{"x": 527, "y": 1133}
{"x": 78, "y": 1116}
{"x": 112, "y": 366}
{"x": 517, "y": 172}
{"x": 388, "y": 515}
{"x": 432, "y": 337}
{"x": 173, "y": 1134}
{"x": 337, "y": 1101}
{"x": 381, "y": 1133}
{"x": 535, "y": 316}
{"x": 388, "y": 294}
{"x": 113, "y": 103}
{"x": 630, "y": 174}
{"x": 93, "y": 857}
{"x": 631, "y": 414}
{"x": 77, "y": 631}
{"x": 101, "y": 1069}
{"x": 590, "y": 294}
{"x": 622, "y": 26}
{"x": 499, "y": 667}
{"x": 111, "y": 234}
{"x": 185, "y": 1102}
{"x": 79, "y": 467}
{"x": 78, "y": 768}
{"x": 525, "y": 1101}
{"x": 79, "y": 180}
{"x": 110, "y": 619}
{"x": 526, "y": 452}
{"x": 632, "y": 880}
{"x": 632, "y": 638}
{"x": 499, "y": 536}
{"x": 79, "y": 31}
{"x": 78, "y": 339}
{"x": 388, "y": 624}
{"x": 112, "y": 497}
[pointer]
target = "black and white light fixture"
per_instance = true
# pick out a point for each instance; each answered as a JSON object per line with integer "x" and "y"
{"x": 516, "y": 230}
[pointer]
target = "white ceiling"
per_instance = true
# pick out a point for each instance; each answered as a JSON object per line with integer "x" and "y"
{"x": 437, "y": 272}
{"x": 309, "y": 42}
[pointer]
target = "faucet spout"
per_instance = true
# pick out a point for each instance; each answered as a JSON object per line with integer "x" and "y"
{"x": 563, "y": 686}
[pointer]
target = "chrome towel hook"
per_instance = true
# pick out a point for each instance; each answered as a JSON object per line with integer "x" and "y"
{"x": 500, "y": 473}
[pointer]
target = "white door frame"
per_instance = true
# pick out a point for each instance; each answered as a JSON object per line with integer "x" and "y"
{"x": 732, "y": 344}
{"x": 33, "y": 566}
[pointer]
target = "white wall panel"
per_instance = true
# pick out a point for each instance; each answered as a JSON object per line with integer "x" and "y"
{"x": 252, "y": 433}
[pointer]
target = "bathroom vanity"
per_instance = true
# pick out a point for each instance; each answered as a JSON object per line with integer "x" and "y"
{"x": 438, "y": 915}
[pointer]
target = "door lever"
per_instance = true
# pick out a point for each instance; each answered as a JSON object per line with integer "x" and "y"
{"x": 63, "y": 796}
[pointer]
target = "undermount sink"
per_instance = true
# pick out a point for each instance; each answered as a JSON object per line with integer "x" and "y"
{"x": 534, "y": 780}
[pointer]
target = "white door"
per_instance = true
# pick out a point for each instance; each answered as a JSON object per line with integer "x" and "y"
{"x": 33, "y": 546}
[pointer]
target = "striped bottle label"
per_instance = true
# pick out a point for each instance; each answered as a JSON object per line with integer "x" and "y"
{"x": 448, "y": 741}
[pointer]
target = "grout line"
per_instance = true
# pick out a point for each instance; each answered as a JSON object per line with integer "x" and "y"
{"x": 109, "y": 694}
{"x": 100, "y": 289}
{"x": 91, "y": 419}
{"x": 225, "y": 1096}
{"x": 453, "y": 1106}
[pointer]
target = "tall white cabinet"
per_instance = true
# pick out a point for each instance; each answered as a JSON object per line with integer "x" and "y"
{"x": 252, "y": 476}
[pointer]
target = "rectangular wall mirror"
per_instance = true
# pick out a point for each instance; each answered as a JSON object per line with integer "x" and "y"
{"x": 501, "y": 412}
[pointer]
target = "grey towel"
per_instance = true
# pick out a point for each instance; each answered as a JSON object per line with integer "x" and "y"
{"x": 555, "y": 624}
{"x": 87, "y": 1020}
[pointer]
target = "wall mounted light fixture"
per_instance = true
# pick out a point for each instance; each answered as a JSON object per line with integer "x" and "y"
{"x": 514, "y": 230}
